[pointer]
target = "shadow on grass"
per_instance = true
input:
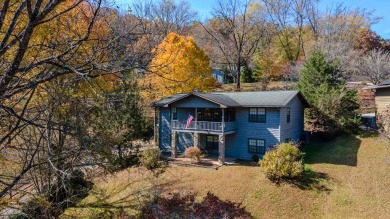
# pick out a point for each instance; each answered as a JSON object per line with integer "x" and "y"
{"x": 116, "y": 201}
{"x": 247, "y": 163}
{"x": 341, "y": 150}
{"x": 310, "y": 180}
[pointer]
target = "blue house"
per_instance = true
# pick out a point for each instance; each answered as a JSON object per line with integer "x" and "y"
{"x": 233, "y": 124}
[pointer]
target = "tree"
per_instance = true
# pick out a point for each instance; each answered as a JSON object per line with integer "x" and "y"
{"x": 368, "y": 40}
{"x": 334, "y": 108}
{"x": 236, "y": 31}
{"x": 179, "y": 66}
{"x": 166, "y": 16}
{"x": 374, "y": 66}
{"x": 118, "y": 121}
{"x": 247, "y": 75}
{"x": 42, "y": 41}
{"x": 56, "y": 64}
{"x": 289, "y": 18}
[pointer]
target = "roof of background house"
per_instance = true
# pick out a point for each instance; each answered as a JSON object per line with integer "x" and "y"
{"x": 241, "y": 99}
{"x": 385, "y": 84}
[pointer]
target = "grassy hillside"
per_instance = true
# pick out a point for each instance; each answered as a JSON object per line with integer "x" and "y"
{"x": 349, "y": 179}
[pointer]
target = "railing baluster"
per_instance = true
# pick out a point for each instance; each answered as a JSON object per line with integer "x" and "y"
{"x": 205, "y": 126}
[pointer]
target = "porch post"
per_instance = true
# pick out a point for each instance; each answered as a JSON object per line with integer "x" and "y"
{"x": 196, "y": 118}
{"x": 196, "y": 140}
{"x": 223, "y": 120}
{"x": 221, "y": 149}
{"x": 173, "y": 145}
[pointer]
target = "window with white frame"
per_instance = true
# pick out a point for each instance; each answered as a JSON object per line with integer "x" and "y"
{"x": 212, "y": 141}
{"x": 256, "y": 146}
{"x": 257, "y": 115}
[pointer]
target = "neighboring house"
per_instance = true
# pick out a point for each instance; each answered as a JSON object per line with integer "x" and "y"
{"x": 382, "y": 99}
{"x": 219, "y": 75}
{"x": 234, "y": 124}
{"x": 366, "y": 96}
{"x": 382, "y": 96}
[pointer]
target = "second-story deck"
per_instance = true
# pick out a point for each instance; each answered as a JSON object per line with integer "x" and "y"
{"x": 204, "y": 127}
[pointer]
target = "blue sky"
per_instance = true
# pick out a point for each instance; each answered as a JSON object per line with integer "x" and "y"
{"x": 381, "y": 8}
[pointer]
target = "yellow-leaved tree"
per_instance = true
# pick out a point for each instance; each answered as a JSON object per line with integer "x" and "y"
{"x": 178, "y": 66}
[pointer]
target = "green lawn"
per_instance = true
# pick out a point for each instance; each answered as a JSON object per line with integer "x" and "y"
{"x": 349, "y": 178}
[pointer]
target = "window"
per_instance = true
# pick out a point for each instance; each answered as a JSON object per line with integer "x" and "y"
{"x": 288, "y": 115}
{"x": 207, "y": 114}
{"x": 174, "y": 113}
{"x": 257, "y": 115}
{"x": 256, "y": 146}
{"x": 212, "y": 141}
{"x": 217, "y": 115}
{"x": 230, "y": 115}
{"x": 200, "y": 115}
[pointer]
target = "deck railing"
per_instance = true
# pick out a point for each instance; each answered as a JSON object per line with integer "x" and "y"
{"x": 204, "y": 126}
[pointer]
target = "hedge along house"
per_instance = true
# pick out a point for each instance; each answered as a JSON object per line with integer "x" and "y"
{"x": 233, "y": 124}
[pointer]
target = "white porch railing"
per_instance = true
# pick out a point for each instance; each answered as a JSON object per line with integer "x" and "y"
{"x": 204, "y": 126}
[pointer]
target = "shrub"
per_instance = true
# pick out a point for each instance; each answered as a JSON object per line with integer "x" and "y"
{"x": 284, "y": 162}
{"x": 193, "y": 153}
{"x": 150, "y": 157}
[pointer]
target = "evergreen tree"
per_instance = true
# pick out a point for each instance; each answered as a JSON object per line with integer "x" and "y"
{"x": 334, "y": 107}
{"x": 120, "y": 120}
{"x": 247, "y": 75}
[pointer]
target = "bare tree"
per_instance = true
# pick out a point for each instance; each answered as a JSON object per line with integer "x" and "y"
{"x": 374, "y": 67}
{"x": 341, "y": 24}
{"x": 162, "y": 17}
{"x": 236, "y": 30}
{"x": 290, "y": 18}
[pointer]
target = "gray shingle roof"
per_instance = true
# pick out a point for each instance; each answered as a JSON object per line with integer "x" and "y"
{"x": 241, "y": 99}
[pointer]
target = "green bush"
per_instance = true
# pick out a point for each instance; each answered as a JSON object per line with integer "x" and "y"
{"x": 283, "y": 162}
{"x": 193, "y": 153}
{"x": 150, "y": 157}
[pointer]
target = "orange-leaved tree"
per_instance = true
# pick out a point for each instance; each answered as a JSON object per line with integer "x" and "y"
{"x": 178, "y": 66}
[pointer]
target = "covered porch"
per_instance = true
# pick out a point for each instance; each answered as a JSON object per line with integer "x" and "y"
{"x": 207, "y": 161}
{"x": 213, "y": 145}
{"x": 203, "y": 120}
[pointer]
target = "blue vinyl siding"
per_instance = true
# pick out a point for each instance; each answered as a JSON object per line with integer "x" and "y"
{"x": 237, "y": 143}
{"x": 182, "y": 113}
{"x": 194, "y": 101}
{"x": 294, "y": 129}
{"x": 165, "y": 129}
{"x": 274, "y": 130}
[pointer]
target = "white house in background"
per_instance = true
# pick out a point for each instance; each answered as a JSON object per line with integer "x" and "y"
{"x": 219, "y": 75}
